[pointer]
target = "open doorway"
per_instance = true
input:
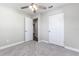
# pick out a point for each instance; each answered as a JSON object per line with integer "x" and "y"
{"x": 35, "y": 29}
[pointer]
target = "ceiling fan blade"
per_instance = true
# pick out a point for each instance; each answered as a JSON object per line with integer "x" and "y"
{"x": 41, "y": 7}
{"x": 50, "y": 6}
{"x": 24, "y": 7}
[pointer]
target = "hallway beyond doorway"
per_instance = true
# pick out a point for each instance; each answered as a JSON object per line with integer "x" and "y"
{"x": 35, "y": 29}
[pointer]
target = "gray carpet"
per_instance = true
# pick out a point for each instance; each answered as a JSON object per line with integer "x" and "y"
{"x": 33, "y": 48}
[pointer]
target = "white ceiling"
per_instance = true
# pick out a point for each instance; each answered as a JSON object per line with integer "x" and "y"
{"x": 28, "y": 11}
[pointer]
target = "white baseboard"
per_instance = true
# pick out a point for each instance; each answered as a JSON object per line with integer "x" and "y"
{"x": 67, "y": 47}
{"x": 27, "y": 40}
{"x": 6, "y": 46}
{"x": 73, "y": 49}
{"x": 43, "y": 41}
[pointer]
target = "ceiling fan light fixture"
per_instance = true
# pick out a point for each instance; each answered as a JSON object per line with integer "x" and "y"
{"x": 35, "y": 7}
{"x": 30, "y": 7}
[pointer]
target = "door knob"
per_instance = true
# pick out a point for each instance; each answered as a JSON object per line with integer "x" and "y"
{"x": 49, "y": 31}
{"x": 25, "y": 30}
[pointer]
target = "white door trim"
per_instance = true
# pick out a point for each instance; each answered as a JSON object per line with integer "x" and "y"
{"x": 14, "y": 44}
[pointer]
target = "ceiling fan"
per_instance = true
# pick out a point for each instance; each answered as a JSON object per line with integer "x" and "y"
{"x": 34, "y": 7}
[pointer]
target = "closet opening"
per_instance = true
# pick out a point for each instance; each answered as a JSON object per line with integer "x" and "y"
{"x": 35, "y": 29}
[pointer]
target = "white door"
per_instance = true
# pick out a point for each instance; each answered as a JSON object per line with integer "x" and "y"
{"x": 28, "y": 29}
{"x": 56, "y": 29}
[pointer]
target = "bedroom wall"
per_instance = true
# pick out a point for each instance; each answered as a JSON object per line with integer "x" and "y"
{"x": 71, "y": 26}
{"x": 71, "y": 22}
{"x": 11, "y": 26}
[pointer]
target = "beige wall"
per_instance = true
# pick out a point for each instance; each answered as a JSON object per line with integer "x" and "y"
{"x": 71, "y": 24}
{"x": 11, "y": 26}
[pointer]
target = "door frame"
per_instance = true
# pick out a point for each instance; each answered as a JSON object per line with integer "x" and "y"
{"x": 33, "y": 27}
{"x": 24, "y": 30}
{"x": 38, "y": 16}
